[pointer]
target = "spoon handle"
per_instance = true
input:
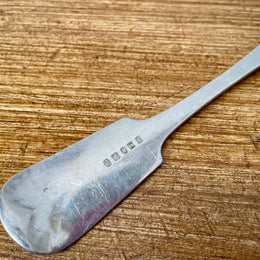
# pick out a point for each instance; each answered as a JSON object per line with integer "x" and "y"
{"x": 170, "y": 119}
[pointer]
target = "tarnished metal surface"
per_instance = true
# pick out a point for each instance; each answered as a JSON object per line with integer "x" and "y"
{"x": 49, "y": 205}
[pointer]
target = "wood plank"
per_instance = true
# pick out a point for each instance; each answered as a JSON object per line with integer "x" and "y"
{"x": 69, "y": 68}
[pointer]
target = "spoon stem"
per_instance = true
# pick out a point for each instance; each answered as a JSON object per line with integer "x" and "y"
{"x": 170, "y": 119}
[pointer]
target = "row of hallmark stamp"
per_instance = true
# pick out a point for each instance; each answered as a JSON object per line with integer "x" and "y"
{"x": 116, "y": 156}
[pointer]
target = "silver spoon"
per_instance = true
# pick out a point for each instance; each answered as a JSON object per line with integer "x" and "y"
{"x": 51, "y": 204}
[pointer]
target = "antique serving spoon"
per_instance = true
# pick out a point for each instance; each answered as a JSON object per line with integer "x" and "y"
{"x": 49, "y": 205}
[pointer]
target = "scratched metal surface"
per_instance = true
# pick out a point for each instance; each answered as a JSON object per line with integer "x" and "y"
{"x": 70, "y": 68}
{"x": 60, "y": 198}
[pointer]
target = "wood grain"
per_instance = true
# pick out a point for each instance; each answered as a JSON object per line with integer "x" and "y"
{"x": 69, "y": 68}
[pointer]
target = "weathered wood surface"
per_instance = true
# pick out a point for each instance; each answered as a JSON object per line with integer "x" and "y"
{"x": 69, "y": 68}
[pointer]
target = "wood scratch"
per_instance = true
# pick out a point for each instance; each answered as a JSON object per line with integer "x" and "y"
{"x": 53, "y": 56}
{"x": 255, "y": 140}
{"x": 208, "y": 223}
{"x": 23, "y": 148}
{"x": 123, "y": 255}
{"x": 177, "y": 93}
{"x": 163, "y": 224}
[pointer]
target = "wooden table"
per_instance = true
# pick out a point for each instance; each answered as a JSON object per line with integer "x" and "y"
{"x": 69, "y": 68}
